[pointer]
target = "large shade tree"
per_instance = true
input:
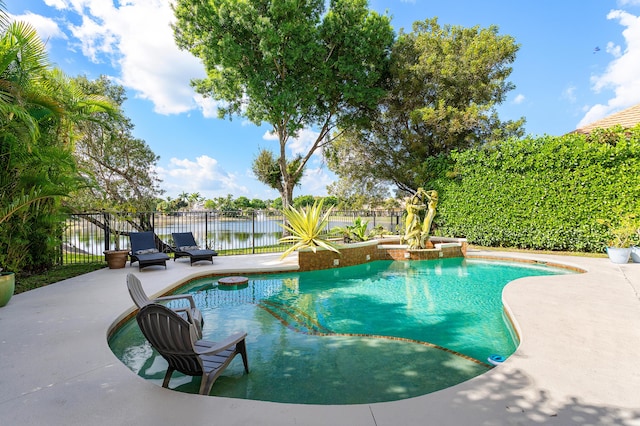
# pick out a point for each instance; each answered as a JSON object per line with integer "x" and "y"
{"x": 445, "y": 84}
{"x": 293, "y": 64}
{"x": 119, "y": 168}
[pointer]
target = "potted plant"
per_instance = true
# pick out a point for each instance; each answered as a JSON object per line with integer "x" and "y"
{"x": 7, "y": 286}
{"x": 117, "y": 258}
{"x": 7, "y": 279}
{"x": 635, "y": 250}
{"x": 305, "y": 227}
{"x": 622, "y": 234}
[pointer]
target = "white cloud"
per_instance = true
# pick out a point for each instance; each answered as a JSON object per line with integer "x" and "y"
{"x": 519, "y": 99}
{"x": 298, "y": 145}
{"x": 208, "y": 106}
{"x": 629, "y": 2}
{"x": 614, "y": 49}
{"x": 47, "y": 28}
{"x": 200, "y": 175}
{"x": 569, "y": 93}
{"x": 315, "y": 181}
{"x": 136, "y": 38}
{"x": 58, "y": 4}
{"x": 302, "y": 144}
{"x": 270, "y": 136}
{"x": 621, "y": 75}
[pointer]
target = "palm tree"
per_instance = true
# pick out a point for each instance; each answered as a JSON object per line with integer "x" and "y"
{"x": 22, "y": 102}
{"x": 39, "y": 108}
{"x": 194, "y": 198}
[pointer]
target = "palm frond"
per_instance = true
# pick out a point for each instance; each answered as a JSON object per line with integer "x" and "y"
{"x": 24, "y": 200}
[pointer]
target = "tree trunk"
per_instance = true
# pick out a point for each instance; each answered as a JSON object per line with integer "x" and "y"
{"x": 287, "y": 200}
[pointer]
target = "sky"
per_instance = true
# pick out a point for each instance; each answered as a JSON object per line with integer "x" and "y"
{"x": 578, "y": 61}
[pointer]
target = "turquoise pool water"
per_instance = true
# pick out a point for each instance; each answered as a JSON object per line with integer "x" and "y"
{"x": 382, "y": 331}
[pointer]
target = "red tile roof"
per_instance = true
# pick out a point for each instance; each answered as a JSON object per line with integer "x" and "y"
{"x": 627, "y": 118}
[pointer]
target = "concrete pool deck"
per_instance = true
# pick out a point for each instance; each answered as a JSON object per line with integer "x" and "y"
{"x": 578, "y": 362}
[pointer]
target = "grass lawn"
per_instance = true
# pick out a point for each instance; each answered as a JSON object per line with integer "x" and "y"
{"x": 55, "y": 274}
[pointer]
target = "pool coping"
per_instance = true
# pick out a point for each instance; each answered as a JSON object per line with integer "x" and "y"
{"x": 576, "y": 363}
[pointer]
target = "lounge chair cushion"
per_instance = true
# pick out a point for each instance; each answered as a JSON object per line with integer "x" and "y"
{"x": 189, "y": 248}
{"x": 147, "y": 251}
{"x": 152, "y": 256}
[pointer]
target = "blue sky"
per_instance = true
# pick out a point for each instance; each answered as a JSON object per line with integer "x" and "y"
{"x": 578, "y": 62}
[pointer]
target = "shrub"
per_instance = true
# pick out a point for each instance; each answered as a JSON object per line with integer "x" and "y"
{"x": 542, "y": 193}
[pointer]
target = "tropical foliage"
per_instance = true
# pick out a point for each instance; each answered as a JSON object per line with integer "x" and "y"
{"x": 356, "y": 232}
{"x": 39, "y": 110}
{"x": 306, "y": 227}
{"x": 542, "y": 193}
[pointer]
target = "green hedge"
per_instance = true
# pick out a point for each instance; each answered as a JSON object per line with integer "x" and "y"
{"x": 541, "y": 193}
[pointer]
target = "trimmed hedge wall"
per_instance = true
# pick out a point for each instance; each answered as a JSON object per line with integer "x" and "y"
{"x": 541, "y": 193}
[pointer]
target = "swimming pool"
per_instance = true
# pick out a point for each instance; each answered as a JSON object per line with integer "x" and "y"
{"x": 381, "y": 331}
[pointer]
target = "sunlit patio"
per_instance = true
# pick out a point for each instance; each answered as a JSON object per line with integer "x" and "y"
{"x": 577, "y": 362}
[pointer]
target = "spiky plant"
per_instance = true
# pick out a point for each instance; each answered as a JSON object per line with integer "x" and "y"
{"x": 306, "y": 226}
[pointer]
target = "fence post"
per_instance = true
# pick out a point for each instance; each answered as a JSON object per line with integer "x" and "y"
{"x": 253, "y": 232}
{"x": 107, "y": 230}
{"x": 206, "y": 230}
{"x": 60, "y": 259}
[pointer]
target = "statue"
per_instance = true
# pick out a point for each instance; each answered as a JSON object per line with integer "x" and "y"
{"x": 421, "y": 210}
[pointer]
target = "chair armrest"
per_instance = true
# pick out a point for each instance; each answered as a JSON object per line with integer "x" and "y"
{"x": 215, "y": 347}
{"x": 188, "y": 312}
{"x": 189, "y": 297}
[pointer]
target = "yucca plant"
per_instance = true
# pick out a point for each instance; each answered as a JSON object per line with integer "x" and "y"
{"x": 305, "y": 226}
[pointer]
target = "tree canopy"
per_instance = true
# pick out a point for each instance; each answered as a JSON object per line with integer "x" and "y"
{"x": 294, "y": 64}
{"x": 445, "y": 83}
{"x": 119, "y": 168}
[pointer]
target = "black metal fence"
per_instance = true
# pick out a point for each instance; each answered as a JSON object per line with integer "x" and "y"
{"x": 87, "y": 235}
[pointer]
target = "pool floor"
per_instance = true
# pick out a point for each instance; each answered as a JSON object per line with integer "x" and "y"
{"x": 378, "y": 332}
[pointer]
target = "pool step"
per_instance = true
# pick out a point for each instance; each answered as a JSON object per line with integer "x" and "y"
{"x": 294, "y": 318}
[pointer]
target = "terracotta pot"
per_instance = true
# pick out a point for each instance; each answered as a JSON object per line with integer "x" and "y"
{"x": 7, "y": 287}
{"x": 116, "y": 259}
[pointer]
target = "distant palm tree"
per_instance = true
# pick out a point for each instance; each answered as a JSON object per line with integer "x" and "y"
{"x": 194, "y": 198}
